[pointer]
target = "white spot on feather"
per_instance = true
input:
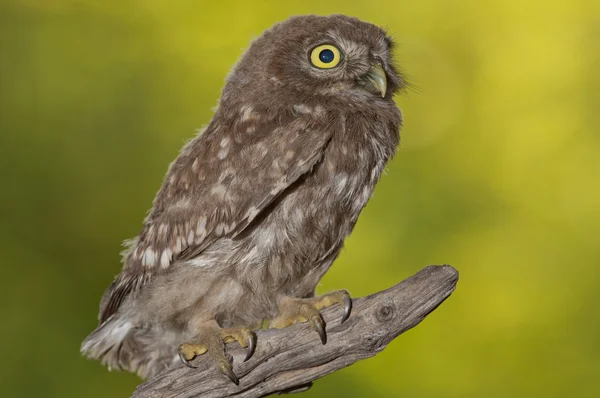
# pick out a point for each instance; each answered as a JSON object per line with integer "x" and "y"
{"x": 222, "y": 154}
{"x": 289, "y": 155}
{"x": 178, "y": 245}
{"x": 220, "y": 228}
{"x": 319, "y": 110}
{"x": 219, "y": 190}
{"x": 148, "y": 258}
{"x": 247, "y": 113}
{"x": 302, "y": 108}
{"x": 375, "y": 173}
{"x": 201, "y": 226}
{"x": 330, "y": 165}
{"x": 165, "y": 258}
{"x": 200, "y": 238}
{"x": 340, "y": 184}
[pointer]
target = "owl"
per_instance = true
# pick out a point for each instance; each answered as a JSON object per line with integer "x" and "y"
{"x": 255, "y": 209}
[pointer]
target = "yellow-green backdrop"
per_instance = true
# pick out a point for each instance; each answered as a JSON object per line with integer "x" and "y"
{"x": 498, "y": 175}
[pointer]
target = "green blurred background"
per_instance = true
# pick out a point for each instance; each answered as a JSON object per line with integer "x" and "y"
{"x": 498, "y": 175}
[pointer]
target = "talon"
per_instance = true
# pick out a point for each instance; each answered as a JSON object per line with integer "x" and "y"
{"x": 186, "y": 362}
{"x": 244, "y": 336}
{"x": 183, "y": 356}
{"x": 227, "y": 370}
{"x": 251, "y": 345}
{"x": 318, "y": 325}
{"x": 347, "y": 307}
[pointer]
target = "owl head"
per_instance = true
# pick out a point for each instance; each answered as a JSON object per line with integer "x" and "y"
{"x": 338, "y": 58}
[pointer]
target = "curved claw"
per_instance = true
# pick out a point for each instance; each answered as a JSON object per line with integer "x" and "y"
{"x": 251, "y": 346}
{"x": 319, "y": 326}
{"x": 347, "y": 307}
{"x": 227, "y": 370}
{"x": 186, "y": 361}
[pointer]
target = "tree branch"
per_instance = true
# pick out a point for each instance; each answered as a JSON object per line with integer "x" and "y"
{"x": 290, "y": 359}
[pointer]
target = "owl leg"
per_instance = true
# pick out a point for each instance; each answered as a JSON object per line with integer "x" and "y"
{"x": 293, "y": 310}
{"x": 212, "y": 340}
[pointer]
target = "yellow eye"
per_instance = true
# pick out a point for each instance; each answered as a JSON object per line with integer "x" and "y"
{"x": 325, "y": 56}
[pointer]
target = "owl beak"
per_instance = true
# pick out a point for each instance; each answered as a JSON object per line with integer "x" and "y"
{"x": 375, "y": 81}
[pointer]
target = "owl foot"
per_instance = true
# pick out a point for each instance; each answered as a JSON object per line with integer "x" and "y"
{"x": 212, "y": 340}
{"x": 244, "y": 336}
{"x": 293, "y": 310}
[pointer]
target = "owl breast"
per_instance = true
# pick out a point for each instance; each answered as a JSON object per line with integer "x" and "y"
{"x": 296, "y": 243}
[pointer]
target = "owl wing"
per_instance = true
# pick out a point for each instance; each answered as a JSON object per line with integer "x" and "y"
{"x": 219, "y": 184}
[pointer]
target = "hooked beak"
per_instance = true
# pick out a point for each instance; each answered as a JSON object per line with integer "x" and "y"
{"x": 375, "y": 81}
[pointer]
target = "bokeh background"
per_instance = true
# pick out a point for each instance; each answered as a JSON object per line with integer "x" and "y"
{"x": 498, "y": 175}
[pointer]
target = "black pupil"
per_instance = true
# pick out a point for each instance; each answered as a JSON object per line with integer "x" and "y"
{"x": 326, "y": 56}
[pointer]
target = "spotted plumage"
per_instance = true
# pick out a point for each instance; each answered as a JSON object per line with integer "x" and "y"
{"x": 256, "y": 208}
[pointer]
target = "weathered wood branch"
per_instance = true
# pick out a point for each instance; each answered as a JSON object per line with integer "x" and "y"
{"x": 290, "y": 359}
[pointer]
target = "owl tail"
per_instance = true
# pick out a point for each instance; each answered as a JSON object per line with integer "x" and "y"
{"x": 106, "y": 342}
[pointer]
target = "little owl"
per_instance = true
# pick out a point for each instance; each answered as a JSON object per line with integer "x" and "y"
{"x": 255, "y": 209}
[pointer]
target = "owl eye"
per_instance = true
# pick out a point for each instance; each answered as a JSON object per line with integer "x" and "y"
{"x": 325, "y": 56}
